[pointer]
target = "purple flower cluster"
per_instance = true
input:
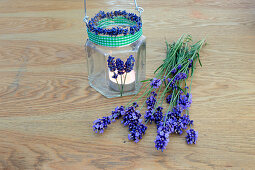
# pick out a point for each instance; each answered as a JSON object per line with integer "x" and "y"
{"x": 133, "y": 121}
{"x": 185, "y": 101}
{"x": 131, "y": 117}
{"x": 117, "y": 113}
{"x": 155, "y": 83}
{"x": 173, "y": 71}
{"x": 172, "y": 125}
{"x": 101, "y": 124}
{"x": 129, "y": 64}
{"x": 151, "y": 101}
{"x": 191, "y": 137}
{"x": 111, "y": 63}
{"x": 163, "y": 132}
{"x": 174, "y": 122}
{"x": 156, "y": 116}
{"x": 114, "y": 31}
{"x": 168, "y": 98}
{"x": 153, "y": 114}
{"x": 120, "y": 66}
{"x": 137, "y": 132}
{"x": 178, "y": 77}
{"x": 190, "y": 63}
{"x": 178, "y": 124}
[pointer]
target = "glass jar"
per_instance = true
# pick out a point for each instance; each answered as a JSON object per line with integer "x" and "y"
{"x": 101, "y": 77}
{"x": 116, "y": 52}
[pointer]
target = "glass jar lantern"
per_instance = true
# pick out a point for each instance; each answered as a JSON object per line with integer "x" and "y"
{"x": 116, "y": 53}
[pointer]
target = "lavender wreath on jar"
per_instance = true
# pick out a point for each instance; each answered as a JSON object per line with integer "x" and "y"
{"x": 131, "y": 23}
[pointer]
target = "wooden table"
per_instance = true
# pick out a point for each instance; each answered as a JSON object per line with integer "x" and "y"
{"x": 47, "y": 107}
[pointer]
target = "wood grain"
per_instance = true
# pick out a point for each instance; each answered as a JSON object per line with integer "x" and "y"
{"x": 47, "y": 107}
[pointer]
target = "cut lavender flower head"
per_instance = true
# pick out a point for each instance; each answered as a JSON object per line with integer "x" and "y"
{"x": 154, "y": 93}
{"x": 118, "y": 112}
{"x": 162, "y": 137}
{"x": 111, "y": 63}
{"x": 135, "y": 104}
{"x": 133, "y": 121}
{"x": 151, "y": 101}
{"x": 185, "y": 121}
{"x": 115, "y": 76}
{"x": 158, "y": 115}
{"x": 191, "y": 137}
{"x": 190, "y": 64}
{"x": 179, "y": 67}
{"x": 101, "y": 124}
{"x": 161, "y": 142}
{"x": 129, "y": 64}
{"x": 137, "y": 132}
{"x": 155, "y": 83}
{"x": 168, "y": 98}
{"x": 173, "y": 71}
{"x": 178, "y": 77}
{"x": 131, "y": 116}
{"x": 185, "y": 101}
{"x": 120, "y": 66}
{"x": 149, "y": 116}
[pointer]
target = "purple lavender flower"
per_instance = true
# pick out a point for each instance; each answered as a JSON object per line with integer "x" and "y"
{"x": 153, "y": 115}
{"x": 179, "y": 67}
{"x": 125, "y": 31}
{"x": 111, "y": 63}
{"x": 101, "y": 124}
{"x": 137, "y": 132}
{"x": 115, "y": 76}
{"x": 190, "y": 63}
{"x": 185, "y": 121}
{"x": 151, "y": 101}
{"x": 135, "y": 104}
{"x": 176, "y": 126}
{"x": 162, "y": 137}
{"x": 161, "y": 142}
{"x": 131, "y": 116}
{"x": 120, "y": 66}
{"x": 129, "y": 64}
{"x": 133, "y": 121}
{"x": 173, "y": 71}
{"x": 154, "y": 94}
{"x": 155, "y": 83}
{"x": 185, "y": 101}
{"x": 158, "y": 114}
{"x": 191, "y": 137}
{"x": 178, "y": 77}
{"x": 175, "y": 113}
{"x": 177, "y": 122}
{"x": 148, "y": 116}
{"x": 117, "y": 113}
{"x": 168, "y": 98}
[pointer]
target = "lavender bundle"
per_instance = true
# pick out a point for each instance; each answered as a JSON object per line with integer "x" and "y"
{"x": 170, "y": 84}
{"x": 119, "y": 68}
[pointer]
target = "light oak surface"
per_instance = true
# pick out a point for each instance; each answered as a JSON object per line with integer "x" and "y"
{"x": 47, "y": 107}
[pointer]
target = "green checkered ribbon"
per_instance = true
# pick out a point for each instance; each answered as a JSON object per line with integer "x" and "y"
{"x": 114, "y": 41}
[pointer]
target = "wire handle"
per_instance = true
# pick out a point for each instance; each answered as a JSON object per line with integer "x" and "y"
{"x": 138, "y": 8}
